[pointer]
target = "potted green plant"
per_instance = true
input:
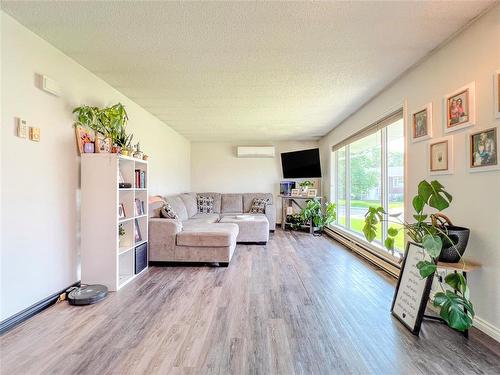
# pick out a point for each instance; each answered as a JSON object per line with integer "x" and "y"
{"x": 434, "y": 236}
{"x": 318, "y": 215}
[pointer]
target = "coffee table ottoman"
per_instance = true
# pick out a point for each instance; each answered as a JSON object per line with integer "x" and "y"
{"x": 252, "y": 228}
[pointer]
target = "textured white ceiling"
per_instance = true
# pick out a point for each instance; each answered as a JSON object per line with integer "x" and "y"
{"x": 246, "y": 71}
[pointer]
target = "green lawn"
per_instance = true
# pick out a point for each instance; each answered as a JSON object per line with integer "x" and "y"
{"x": 366, "y": 204}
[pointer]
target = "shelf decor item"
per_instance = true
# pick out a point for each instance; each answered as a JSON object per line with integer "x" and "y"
{"x": 83, "y": 136}
{"x": 305, "y": 186}
{"x": 496, "y": 96}
{"x": 435, "y": 236}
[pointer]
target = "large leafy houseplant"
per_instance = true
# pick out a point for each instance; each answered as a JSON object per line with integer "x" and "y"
{"x": 454, "y": 306}
{"x": 109, "y": 122}
{"x": 317, "y": 214}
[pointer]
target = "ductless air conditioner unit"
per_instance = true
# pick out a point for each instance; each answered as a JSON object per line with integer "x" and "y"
{"x": 255, "y": 151}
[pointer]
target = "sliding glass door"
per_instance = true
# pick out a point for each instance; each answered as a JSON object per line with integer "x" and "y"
{"x": 368, "y": 170}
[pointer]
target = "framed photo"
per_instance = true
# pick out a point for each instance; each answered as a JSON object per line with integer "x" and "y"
{"x": 460, "y": 108}
{"x": 496, "y": 93}
{"x": 422, "y": 124}
{"x": 412, "y": 292}
{"x": 137, "y": 232}
{"x": 121, "y": 211}
{"x": 483, "y": 150}
{"x": 83, "y": 135}
{"x": 311, "y": 193}
{"x": 295, "y": 192}
{"x": 441, "y": 156}
{"x": 102, "y": 144}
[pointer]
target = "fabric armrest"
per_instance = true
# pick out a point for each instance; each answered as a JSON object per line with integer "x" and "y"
{"x": 159, "y": 227}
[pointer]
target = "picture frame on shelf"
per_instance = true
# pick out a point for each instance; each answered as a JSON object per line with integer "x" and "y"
{"x": 482, "y": 149}
{"x": 440, "y": 156}
{"x": 83, "y": 135}
{"x": 311, "y": 193}
{"x": 121, "y": 211}
{"x": 295, "y": 193}
{"x": 496, "y": 94}
{"x": 460, "y": 108}
{"x": 137, "y": 231}
{"x": 421, "y": 121}
{"x": 102, "y": 144}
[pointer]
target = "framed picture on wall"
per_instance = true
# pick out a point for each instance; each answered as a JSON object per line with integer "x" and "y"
{"x": 460, "y": 108}
{"x": 496, "y": 93}
{"x": 482, "y": 148}
{"x": 422, "y": 123}
{"x": 441, "y": 156}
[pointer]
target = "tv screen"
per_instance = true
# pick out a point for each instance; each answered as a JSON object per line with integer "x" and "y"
{"x": 301, "y": 164}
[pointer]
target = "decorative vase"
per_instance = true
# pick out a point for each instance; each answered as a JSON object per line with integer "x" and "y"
{"x": 89, "y": 148}
{"x": 459, "y": 238}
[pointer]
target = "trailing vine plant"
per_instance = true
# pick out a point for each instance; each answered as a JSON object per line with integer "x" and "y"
{"x": 454, "y": 305}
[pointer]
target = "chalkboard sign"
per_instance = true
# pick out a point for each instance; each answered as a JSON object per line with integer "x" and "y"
{"x": 412, "y": 292}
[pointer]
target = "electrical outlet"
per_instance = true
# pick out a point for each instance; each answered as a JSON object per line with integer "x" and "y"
{"x": 35, "y": 134}
{"x": 22, "y": 128}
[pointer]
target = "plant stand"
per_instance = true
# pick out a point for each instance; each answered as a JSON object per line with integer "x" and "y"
{"x": 298, "y": 202}
{"x": 455, "y": 267}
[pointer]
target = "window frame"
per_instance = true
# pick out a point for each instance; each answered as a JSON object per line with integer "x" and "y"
{"x": 375, "y": 246}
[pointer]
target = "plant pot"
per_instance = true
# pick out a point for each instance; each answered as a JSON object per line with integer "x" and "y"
{"x": 89, "y": 148}
{"x": 124, "y": 152}
{"x": 460, "y": 238}
{"x": 115, "y": 149}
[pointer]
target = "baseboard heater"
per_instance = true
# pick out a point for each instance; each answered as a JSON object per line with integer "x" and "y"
{"x": 389, "y": 267}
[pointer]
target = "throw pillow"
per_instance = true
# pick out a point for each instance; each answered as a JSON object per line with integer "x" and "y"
{"x": 259, "y": 205}
{"x": 167, "y": 212}
{"x": 205, "y": 205}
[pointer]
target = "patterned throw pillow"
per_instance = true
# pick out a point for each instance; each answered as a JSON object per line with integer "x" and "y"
{"x": 205, "y": 205}
{"x": 167, "y": 212}
{"x": 259, "y": 205}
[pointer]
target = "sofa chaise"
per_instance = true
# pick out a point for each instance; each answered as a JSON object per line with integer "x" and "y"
{"x": 207, "y": 237}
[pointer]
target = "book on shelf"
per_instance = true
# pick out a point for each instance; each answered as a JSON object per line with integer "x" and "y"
{"x": 140, "y": 179}
{"x": 139, "y": 207}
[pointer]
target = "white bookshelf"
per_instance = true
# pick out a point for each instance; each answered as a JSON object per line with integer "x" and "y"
{"x": 106, "y": 257}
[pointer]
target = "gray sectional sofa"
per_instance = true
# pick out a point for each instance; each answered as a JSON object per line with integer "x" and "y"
{"x": 207, "y": 237}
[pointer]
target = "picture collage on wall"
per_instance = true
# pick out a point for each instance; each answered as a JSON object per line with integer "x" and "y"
{"x": 459, "y": 113}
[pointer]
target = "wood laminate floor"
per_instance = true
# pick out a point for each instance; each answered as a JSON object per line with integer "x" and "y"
{"x": 300, "y": 305}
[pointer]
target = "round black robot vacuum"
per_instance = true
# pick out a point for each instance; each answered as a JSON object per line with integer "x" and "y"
{"x": 87, "y": 294}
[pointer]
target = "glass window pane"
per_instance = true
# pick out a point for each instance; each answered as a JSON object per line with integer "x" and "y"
{"x": 395, "y": 173}
{"x": 341, "y": 180}
{"x": 365, "y": 179}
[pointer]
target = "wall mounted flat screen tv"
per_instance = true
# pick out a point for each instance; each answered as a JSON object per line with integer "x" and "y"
{"x": 301, "y": 164}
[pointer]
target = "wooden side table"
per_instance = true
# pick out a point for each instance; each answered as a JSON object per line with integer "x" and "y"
{"x": 469, "y": 266}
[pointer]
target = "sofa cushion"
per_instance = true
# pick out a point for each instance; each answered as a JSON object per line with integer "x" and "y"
{"x": 156, "y": 203}
{"x": 249, "y": 197}
{"x": 201, "y": 219}
{"x": 178, "y": 206}
{"x": 205, "y": 204}
{"x": 216, "y": 197}
{"x": 208, "y": 235}
{"x": 167, "y": 212}
{"x": 189, "y": 200}
{"x": 259, "y": 205}
{"x": 231, "y": 203}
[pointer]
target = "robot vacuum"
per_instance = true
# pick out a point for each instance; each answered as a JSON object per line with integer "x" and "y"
{"x": 86, "y": 294}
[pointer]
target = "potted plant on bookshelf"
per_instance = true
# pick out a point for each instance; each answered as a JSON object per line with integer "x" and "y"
{"x": 318, "y": 215}
{"x": 436, "y": 235}
{"x": 121, "y": 232}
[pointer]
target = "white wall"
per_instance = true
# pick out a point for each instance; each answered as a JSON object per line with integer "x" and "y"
{"x": 215, "y": 167}
{"x": 472, "y": 56}
{"x": 40, "y": 181}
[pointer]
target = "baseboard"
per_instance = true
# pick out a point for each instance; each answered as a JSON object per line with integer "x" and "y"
{"x": 376, "y": 260}
{"x": 487, "y": 328}
{"x": 34, "y": 309}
